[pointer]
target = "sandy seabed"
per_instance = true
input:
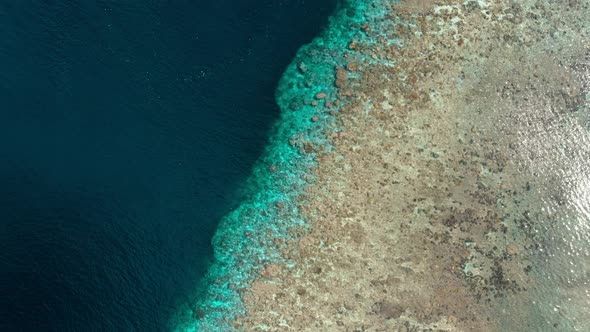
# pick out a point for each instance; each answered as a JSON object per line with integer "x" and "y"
{"x": 456, "y": 196}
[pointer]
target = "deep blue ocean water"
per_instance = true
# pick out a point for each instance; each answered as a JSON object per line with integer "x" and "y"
{"x": 125, "y": 129}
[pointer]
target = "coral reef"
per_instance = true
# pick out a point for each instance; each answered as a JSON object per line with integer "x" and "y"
{"x": 453, "y": 196}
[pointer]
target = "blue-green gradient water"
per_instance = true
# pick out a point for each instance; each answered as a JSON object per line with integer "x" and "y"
{"x": 125, "y": 129}
{"x": 253, "y": 234}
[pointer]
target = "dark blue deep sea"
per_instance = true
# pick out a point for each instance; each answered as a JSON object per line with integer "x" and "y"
{"x": 125, "y": 129}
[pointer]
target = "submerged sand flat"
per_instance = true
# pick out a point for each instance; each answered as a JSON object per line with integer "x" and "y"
{"x": 456, "y": 196}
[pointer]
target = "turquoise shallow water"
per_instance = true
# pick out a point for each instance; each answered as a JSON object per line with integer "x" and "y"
{"x": 245, "y": 239}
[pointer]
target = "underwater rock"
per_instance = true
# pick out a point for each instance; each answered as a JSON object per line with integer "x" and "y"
{"x": 320, "y": 95}
{"x": 302, "y": 67}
